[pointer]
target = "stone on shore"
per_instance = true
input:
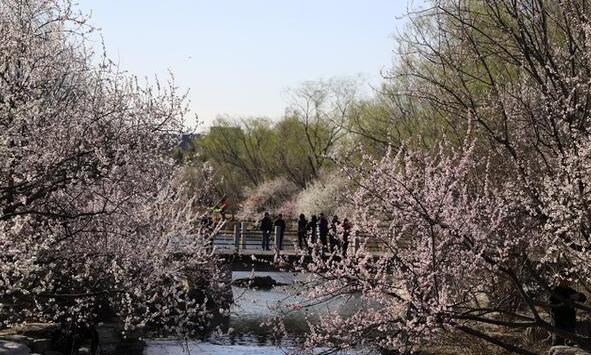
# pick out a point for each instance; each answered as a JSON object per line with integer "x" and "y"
{"x": 566, "y": 350}
{"x": 33, "y": 330}
{"x": 12, "y": 348}
{"x": 17, "y": 338}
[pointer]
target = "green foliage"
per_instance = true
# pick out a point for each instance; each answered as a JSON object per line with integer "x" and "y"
{"x": 250, "y": 151}
{"x": 241, "y": 153}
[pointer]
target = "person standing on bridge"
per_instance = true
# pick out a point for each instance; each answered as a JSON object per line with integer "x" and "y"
{"x": 280, "y": 226}
{"x": 266, "y": 228}
{"x": 345, "y": 237}
{"x": 302, "y": 229}
{"x": 334, "y": 234}
{"x": 313, "y": 229}
{"x": 323, "y": 230}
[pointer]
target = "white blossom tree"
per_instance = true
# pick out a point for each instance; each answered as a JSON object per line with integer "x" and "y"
{"x": 270, "y": 196}
{"x": 94, "y": 221}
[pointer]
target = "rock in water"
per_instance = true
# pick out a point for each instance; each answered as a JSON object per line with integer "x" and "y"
{"x": 258, "y": 282}
{"x": 12, "y": 348}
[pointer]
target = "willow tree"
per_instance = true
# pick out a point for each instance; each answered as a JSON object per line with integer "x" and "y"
{"x": 298, "y": 147}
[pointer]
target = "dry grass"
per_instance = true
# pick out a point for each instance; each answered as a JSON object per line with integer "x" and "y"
{"x": 456, "y": 342}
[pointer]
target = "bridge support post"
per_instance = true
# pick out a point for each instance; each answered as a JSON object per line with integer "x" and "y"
{"x": 276, "y": 237}
{"x": 242, "y": 236}
{"x": 236, "y": 238}
{"x": 356, "y": 244}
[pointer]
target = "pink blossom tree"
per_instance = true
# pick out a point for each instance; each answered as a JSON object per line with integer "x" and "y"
{"x": 480, "y": 228}
{"x": 94, "y": 221}
{"x": 270, "y": 196}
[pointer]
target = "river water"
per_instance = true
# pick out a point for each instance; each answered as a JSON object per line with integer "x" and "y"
{"x": 247, "y": 335}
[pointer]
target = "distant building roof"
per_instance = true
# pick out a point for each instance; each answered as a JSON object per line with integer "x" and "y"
{"x": 187, "y": 139}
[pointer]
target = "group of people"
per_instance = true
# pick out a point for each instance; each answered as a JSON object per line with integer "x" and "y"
{"x": 267, "y": 225}
{"x": 333, "y": 236}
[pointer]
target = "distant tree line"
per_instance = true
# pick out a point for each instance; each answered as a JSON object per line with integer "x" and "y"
{"x": 325, "y": 121}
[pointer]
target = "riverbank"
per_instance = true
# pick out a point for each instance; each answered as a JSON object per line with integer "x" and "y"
{"x": 50, "y": 339}
{"x": 172, "y": 347}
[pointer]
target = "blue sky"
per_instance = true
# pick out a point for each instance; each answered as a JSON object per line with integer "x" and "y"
{"x": 238, "y": 57}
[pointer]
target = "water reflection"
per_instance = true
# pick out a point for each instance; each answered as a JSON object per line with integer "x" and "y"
{"x": 252, "y": 308}
{"x": 245, "y": 332}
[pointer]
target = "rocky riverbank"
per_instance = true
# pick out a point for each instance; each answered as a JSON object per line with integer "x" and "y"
{"x": 49, "y": 339}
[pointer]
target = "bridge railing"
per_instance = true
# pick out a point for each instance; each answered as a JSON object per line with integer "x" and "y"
{"x": 244, "y": 238}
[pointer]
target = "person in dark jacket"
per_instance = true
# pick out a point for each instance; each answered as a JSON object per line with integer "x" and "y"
{"x": 313, "y": 229}
{"x": 333, "y": 236}
{"x": 562, "y": 310}
{"x": 280, "y": 222}
{"x": 302, "y": 228}
{"x": 266, "y": 228}
{"x": 345, "y": 238}
{"x": 323, "y": 230}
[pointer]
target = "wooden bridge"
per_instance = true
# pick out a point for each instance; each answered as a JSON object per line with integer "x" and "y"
{"x": 245, "y": 238}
